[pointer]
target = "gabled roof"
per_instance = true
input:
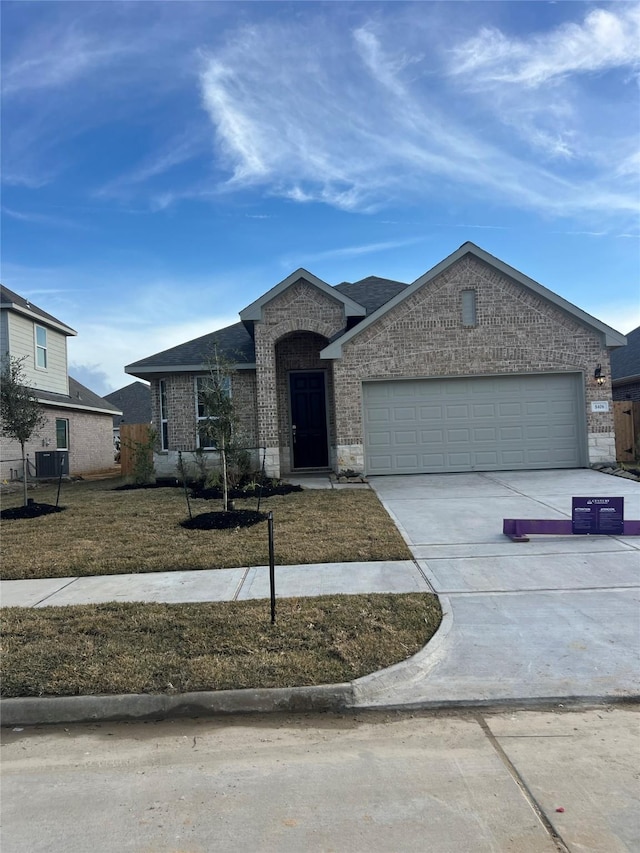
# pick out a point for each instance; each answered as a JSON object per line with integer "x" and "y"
{"x": 371, "y": 292}
{"x": 234, "y": 343}
{"x": 253, "y": 312}
{"x": 78, "y": 397}
{"x": 134, "y": 402}
{"x": 625, "y": 362}
{"x": 14, "y": 302}
{"x": 610, "y": 336}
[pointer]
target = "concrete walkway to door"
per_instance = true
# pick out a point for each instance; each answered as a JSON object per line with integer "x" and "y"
{"x": 557, "y": 617}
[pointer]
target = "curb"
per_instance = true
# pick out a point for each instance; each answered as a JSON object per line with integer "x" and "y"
{"x": 31, "y": 711}
{"x": 336, "y": 698}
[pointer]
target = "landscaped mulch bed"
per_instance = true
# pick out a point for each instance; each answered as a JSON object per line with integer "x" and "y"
{"x": 224, "y": 520}
{"x": 31, "y": 510}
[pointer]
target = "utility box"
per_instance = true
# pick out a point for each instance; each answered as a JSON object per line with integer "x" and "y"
{"x": 52, "y": 463}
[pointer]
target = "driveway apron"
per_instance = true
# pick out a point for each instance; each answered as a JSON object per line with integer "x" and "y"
{"x": 556, "y": 617}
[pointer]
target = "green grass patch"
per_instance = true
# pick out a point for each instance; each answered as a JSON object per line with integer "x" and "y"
{"x": 174, "y": 648}
{"x": 104, "y": 531}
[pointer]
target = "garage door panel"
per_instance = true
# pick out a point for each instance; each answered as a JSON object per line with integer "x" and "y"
{"x": 511, "y": 433}
{"x": 483, "y": 410}
{"x": 488, "y": 423}
{"x": 380, "y": 439}
{"x": 485, "y": 434}
{"x": 431, "y": 436}
{"x": 406, "y": 437}
{"x": 431, "y": 415}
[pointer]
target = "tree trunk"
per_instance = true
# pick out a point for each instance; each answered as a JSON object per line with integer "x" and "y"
{"x": 225, "y": 485}
{"x": 25, "y": 474}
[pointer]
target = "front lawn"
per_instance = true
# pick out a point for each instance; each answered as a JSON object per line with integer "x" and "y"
{"x": 104, "y": 531}
{"x": 176, "y": 648}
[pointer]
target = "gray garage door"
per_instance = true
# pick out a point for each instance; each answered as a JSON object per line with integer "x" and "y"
{"x": 482, "y": 424}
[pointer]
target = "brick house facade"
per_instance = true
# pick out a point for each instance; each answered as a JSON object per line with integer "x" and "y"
{"x": 474, "y": 366}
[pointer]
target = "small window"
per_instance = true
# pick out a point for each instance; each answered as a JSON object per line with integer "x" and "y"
{"x": 62, "y": 433}
{"x": 205, "y": 441}
{"x": 469, "y": 308}
{"x": 164, "y": 423}
{"x": 41, "y": 347}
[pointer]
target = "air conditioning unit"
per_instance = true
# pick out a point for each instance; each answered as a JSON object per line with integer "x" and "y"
{"x": 52, "y": 463}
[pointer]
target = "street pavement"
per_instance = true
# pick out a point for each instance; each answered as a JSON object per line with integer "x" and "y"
{"x": 372, "y": 782}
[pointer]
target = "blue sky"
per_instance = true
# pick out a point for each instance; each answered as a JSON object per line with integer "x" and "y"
{"x": 165, "y": 163}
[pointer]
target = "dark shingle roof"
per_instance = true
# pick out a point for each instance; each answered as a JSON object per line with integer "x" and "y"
{"x": 10, "y": 299}
{"x": 371, "y": 292}
{"x": 78, "y": 396}
{"x": 625, "y": 361}
{"x": 134, "y": 401}
{"x": 234, "y": 343}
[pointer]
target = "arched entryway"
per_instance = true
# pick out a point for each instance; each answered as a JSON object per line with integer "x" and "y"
{"x": 306, "y": 423}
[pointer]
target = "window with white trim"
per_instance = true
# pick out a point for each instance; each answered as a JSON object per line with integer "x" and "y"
{"x": 204, "y": 441}
{"x": 164, "y": 423}
{"x": 62, "y": 433}
{"x": 41, "y": 347}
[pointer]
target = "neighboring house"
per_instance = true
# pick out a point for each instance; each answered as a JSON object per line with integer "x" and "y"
{"x": 78, "y": 429}
{"x": 625, "y": 369}
{"x": 134, "y": 402}
{"x": 473, "y": 367}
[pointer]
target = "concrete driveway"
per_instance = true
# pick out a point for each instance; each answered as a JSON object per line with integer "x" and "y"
{"x": 554, "y": 618}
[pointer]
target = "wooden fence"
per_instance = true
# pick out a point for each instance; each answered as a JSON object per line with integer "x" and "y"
{"x": 626, "y": 418}
{"x": 130, "y": 435}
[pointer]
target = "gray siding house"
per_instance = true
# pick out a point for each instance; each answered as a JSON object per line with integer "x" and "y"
{"x": 78, "y": 428}
{"x": 472, "y": 367}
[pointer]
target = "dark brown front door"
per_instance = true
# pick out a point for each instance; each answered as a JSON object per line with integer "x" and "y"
{"x": 308, "y": 420}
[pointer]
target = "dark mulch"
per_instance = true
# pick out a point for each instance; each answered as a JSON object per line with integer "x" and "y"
{"x": 224, "y": 520}
{"x": 254, "y": 491}
{"x": 32, "y": 510}
{"x": 160, "y": 483}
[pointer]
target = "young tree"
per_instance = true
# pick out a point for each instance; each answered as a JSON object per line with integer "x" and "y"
{"x": 21, "y": 415}
{"x": 222, "y": 421}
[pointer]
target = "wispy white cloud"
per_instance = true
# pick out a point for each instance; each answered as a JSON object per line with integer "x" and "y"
{"x": 303, "y": 257}
{"x": 44, "y": 219}
{"x": 55, "y": 57}
{"x": 607, "y": 38}
{"x": 366, "y": 130}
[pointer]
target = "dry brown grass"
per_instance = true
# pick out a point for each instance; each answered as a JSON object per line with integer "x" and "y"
{"x": 175, "y": 648}
{"x": 103, "y": 531}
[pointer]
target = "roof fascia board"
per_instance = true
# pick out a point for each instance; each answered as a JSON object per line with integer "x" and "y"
{"x": 611, "y": 337}
{"x": 254, "y": 311}
{"x": 37, "y": 318}
{"x": 624, "y": 380}
{"x": 132, "y": 370}
{"x": 61, "y": 404}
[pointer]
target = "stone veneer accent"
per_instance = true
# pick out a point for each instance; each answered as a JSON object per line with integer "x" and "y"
{"x": 517, "y": 331}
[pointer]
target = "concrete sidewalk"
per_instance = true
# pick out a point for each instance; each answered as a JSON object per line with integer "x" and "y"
{"x": 218, "y": 584}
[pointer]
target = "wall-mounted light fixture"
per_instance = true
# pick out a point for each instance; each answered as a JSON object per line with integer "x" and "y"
{"x": 597, "y": 375}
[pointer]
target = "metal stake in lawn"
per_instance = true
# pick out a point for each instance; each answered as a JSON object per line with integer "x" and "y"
{"x": 272, "y": 569}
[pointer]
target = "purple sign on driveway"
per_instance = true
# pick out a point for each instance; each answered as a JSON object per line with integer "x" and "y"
{"x": 604, "y": 516}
